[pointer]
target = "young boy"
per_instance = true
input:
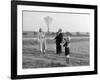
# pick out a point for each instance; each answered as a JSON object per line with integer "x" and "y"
{"x": 67, "y": 49}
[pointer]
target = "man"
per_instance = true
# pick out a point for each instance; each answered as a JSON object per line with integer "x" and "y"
{"x": 59, "y": 38}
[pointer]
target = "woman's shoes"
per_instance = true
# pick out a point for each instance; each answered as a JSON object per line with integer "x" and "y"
{"x": 67, "y": 60}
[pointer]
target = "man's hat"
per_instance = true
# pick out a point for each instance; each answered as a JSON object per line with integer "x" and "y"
{"x": 60, "y": 30}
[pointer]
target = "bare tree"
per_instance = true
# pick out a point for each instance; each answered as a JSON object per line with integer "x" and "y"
{"x": 48, "y": 21}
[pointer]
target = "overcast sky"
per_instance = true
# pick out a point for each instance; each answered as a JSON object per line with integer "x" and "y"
{"x": 71, "y": 22}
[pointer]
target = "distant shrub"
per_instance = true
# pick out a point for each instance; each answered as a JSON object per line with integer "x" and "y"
{"x": 24, "y": 33}
{"x": 30, "y": 42}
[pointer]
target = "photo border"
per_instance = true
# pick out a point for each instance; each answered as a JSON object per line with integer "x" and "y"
{"x": 14, "y": 38}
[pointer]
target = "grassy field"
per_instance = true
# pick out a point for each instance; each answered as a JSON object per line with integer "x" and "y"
{"x": 32, "y": 58}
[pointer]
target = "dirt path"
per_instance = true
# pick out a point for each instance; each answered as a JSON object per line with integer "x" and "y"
{"x": 38, "y": 60}
{"x": 32, "y": 58}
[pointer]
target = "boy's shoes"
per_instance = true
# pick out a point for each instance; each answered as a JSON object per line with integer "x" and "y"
{"x": 43, "y": 52}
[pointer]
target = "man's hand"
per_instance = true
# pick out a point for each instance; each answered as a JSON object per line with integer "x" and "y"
{"x": 61, "y": 44}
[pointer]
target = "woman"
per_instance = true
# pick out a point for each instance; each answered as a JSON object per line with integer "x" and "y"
{"x": 42, "y": 41}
